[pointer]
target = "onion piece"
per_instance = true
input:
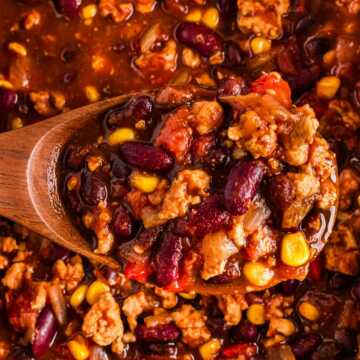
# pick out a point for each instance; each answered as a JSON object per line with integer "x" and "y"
{"x": 57, "y": 302}
{"x": 257, "y": 214}
{"x": 150, "y": 37}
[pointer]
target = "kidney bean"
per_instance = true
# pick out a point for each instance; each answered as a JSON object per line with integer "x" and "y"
{"x": 75, "y": 156}
{"x": 347, "y": 339}
{"x": 69, "y": 8}
{"x": 227, "y": 8}
{"x": 146, "y": 156}
{"x": 74, "y": 202}
{"x": 168, "y": 259}
{"x": 209, "y": 217}
{"x": 233, "y": 55}
{"x": 305, "y": 344}
{"x": 242, "y": 185}
{"x": 289, "y": 287}
{"x": 122, "y": 222}
{"x": 93, "y": 188}
{"x": 46, "y": 329}
{"x": 8, "y": 100}
{"x": 162, "y": 332}
{"x": 137, "y": 108}
{"x": 340, "y": 281}
{"x": 231, "y": 85}
{"x": 199, "y": 37}
{"x": 245, "y": 331}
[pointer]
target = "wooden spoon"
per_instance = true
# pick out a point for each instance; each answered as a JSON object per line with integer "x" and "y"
{"x": 29, "y": 189}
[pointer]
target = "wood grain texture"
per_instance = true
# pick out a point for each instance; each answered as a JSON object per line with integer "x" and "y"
{"x": 29, "y": 193}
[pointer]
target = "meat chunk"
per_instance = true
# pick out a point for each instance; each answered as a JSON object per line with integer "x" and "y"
{"x": 262, "y": 17}
{"x": 99, "y": 221}
{"x": 261, "y": 243}
{"x": 174, "y": 95}
{"x": 232, "y": 307}
{"x": 15, "y": 275}
{"x": 349, "y": 186}
{"x": 351, "y": 6}
{"x": 169, "y": 299}
{"x": 305, "y": 187}
{"x": 296, "y": 143}
{"x": 102, "y": 323}
{"x": 48, "y": 103}
{"x": 350, "y": 118}
{"x": 342, "y": 252}
{"x": 119, "y": 11}
{"x": 176, "y": 134}
{"x": 254, "y": 135}
{"x": 188, "y": 188}
{"x": 216, "y": 249}
{"x": 70, "y": 274}
{"x": 8, "y": 244}
{"x": 31, "y": 300}
{"x": 206, "y": 117}
{"x": 192, "y": 324}
{"x": 136, "y": 304}
{"x": 158, "y": 61}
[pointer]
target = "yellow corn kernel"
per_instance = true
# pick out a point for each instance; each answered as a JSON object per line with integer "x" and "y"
{"x": 95, "y": 290}
{"x": 260, "y": 45}
{"x": 89, "y": 11}
{"x": 6, "y": 84}
{"x": 78, "y": 348}
{"x": 285, "y": 327}
{"x": 92, "y": 93}
{"x": 72, "y": 183}
{"x": 209, "y": 350}
{"x": 257, "y": 273}
{"x": 121, "y": 135}
{"x": 194, "y": 15}
{"x": 211, "y": 18}
{"x": 327, "y": 87}
{"x": 294, "y": 249}
{"x": 308, "y": 311}
{"x": 78, "y": 296}
{"x": 17, "y": 48}
{"x": 329, "y": 57}
{"x": 144, "y": 182}
{"x": 188, "y": 296}
{"x": 16, "y": 123}
{"x": 256, "y": 314}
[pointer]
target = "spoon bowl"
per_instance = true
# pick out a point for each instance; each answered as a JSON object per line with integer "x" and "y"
{"x": 29, "y": 189}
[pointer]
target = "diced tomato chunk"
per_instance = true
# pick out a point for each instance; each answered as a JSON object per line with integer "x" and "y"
{"x": 138, "y": 271}
{"x": 236, "y": 350}
{"x": 268, "y": 83}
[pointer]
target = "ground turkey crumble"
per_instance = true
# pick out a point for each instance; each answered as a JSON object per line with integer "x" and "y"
{"x": 102, "y": 323}
{"x": 188, "y": 188}
{"x": 69, "y": 274}
{"x": 262, "y": 17}
{"x": 192, "y": 323}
